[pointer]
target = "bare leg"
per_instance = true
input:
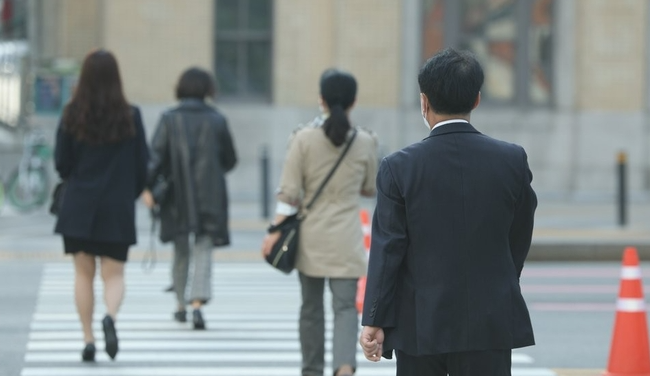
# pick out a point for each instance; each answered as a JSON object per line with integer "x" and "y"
{"x": 113, "y": 277}
{"x": 84, "y": 266}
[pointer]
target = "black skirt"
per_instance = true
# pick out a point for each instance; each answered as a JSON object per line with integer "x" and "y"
{"x": 117, "y": 251}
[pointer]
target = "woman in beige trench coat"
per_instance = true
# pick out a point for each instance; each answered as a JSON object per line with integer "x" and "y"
{"x": 331, "y": 239}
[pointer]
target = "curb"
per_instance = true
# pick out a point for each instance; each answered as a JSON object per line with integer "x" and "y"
{"x": 135, "y": 255}
{"x": 546, "y": 252}
{"x": 587, "y": 251}
{"x": 578, "y": 372}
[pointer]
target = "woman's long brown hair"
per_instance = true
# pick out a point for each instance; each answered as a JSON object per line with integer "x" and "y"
{"x": 98, "y": 112}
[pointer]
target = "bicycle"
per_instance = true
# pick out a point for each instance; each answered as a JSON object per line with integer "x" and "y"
{"x": 28, "y": 185}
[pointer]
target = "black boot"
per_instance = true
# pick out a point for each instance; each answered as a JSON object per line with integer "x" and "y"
{"x": 197, "y": 319}
{"x": 180, "y": 315}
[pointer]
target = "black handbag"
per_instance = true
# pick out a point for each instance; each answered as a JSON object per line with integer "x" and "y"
{"x": 283, "y": 252}
{"x": 161, "y": 190}
{"x": 57, "y": 198}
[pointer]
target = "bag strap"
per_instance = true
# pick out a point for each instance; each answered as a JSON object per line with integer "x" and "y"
{"x": 149, "y": 258}
{"x": 332, "y": 171}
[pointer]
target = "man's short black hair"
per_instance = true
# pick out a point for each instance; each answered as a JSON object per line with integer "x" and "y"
{"x": 451, "y": 80}
{"x": 195, "y": 83}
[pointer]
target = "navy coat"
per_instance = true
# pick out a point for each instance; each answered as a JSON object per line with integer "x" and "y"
{"x": 102, "y": 184}
{"x": 450, "y": 234}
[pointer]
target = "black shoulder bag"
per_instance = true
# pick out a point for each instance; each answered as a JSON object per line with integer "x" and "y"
{"x": 284, "y": 251}
{"x": 57, "y": 197}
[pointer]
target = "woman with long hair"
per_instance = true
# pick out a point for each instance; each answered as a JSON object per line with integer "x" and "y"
{"x": 192, "y": 149}
{"x": 101, "y": 154}
{"x": 331, "y": 239}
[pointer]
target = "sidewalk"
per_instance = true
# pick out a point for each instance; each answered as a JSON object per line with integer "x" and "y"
{"x": 564, "y": 230}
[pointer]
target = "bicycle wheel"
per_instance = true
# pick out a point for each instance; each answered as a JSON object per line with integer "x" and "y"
{"x": 28, "y": 192}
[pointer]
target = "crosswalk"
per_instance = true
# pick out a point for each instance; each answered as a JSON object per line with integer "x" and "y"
{"x": 252, "y": 329}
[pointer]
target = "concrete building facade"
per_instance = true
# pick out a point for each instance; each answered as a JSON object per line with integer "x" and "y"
{"x": 566, "y": 79}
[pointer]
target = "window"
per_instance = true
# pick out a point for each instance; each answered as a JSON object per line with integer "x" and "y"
{"x": 512, "y": 40}
{"x": 243, "y": 48}
{"x": 13, "y": 19}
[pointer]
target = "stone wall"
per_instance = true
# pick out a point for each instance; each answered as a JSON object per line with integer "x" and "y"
{"x": 155, "y": 40}
{"x": 611, "y": 55}
{"x": 361, "y": 36}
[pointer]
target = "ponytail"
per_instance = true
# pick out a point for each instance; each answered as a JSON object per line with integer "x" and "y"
{"x": 337, "y": 125}
{"x": 338, "y": 90}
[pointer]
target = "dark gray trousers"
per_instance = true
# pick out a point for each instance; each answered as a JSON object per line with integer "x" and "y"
{"x": 312, "y": 323}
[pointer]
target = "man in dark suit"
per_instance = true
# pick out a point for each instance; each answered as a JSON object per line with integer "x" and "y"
{"x": 450, "y": 234}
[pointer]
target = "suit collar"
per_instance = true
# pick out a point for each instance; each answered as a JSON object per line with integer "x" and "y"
{"x": 459, "y": 127}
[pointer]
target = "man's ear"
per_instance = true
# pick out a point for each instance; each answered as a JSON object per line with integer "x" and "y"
{"x": 424, "y": 103}
{"x": 478, "y": 100}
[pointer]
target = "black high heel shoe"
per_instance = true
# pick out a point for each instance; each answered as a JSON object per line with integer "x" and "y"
{"x": 110, "y": 336}
{"x": 88, "y": 353}
{"x": 197, "y": 319}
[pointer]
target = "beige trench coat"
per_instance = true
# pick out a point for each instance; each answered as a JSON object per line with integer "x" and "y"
{"x": 331, "y": 238}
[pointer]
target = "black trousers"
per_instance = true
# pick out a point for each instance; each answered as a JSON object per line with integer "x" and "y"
{"x": 471, "y": 363}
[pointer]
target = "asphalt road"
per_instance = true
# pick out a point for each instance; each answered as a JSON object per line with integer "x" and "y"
{"x": 572, "y": 304}
{"x": 572, "y": 307}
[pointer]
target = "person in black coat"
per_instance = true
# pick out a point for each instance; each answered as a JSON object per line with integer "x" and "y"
{"x": 101, "y": 154}
{"x": 192, "y": 150}
{"x": 450, "y": 234}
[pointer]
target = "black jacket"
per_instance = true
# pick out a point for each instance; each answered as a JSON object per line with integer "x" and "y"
{"x": 102, "y": 184}
{"x": 450, "y": 234}
{"x": 193, "y": 149}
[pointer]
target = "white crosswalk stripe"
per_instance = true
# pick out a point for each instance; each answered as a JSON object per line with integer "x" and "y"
{"x": 252, "y": 329}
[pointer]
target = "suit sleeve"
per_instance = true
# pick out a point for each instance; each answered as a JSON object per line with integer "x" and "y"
{"x": 227, "y": 154}
{"x": 389, "y": 241}
{"x": 142, "y": 152}
{"x": 63, "y": 152}
{"x": 521, "y": 230}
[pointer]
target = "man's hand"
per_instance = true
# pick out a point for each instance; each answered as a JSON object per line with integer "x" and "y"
{"x": 372, "y": 342}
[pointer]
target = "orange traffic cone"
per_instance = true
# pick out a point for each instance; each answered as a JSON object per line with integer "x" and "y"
{"x": 361, "y": 284}
{"x": 630, "y": 353}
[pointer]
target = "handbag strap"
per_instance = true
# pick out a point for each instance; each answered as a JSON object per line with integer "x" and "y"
{"x": 149, "y": 258}
{"x": 332, "y": 171}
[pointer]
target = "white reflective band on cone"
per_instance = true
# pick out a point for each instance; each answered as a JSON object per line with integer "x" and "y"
{"x": 366, "y": 229}
{"x": 631, "y": 272}
{"x": 630, "y": 305}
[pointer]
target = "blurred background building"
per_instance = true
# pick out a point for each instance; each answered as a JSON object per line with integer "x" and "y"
{"x": 566, "y": 79}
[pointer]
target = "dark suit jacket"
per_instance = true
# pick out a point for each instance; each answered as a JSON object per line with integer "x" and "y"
{"x": 450, "y": 234}
{"x": 102, "y": 184}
